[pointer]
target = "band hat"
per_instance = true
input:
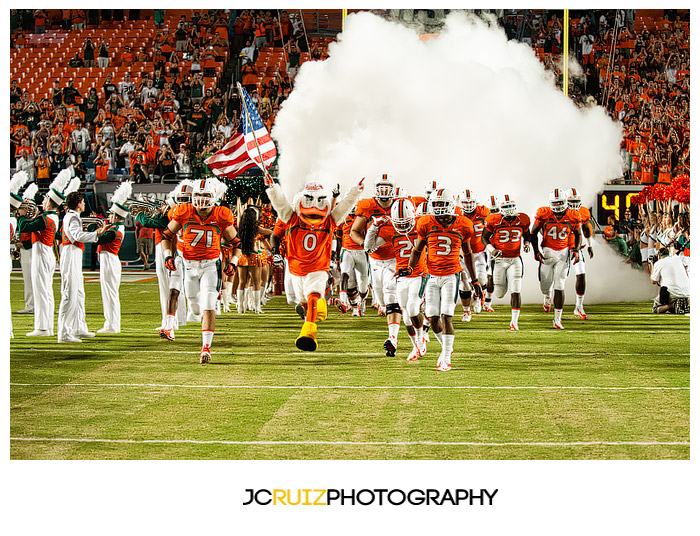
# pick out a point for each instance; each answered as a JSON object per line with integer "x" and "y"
{"x": 17, "y": 182}
{"x": 121, "y": 194}
{"x": 57, "y": 190}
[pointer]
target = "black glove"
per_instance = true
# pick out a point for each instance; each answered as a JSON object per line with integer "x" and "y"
{"x": 476, "y": 287}
{"x": 336, "y": 190}
{"x": 277, "y": 258}
{"x": 405, "y": 272}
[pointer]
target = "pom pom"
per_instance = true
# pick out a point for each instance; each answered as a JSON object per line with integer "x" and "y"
{"x": 682, "y": 195}
{"x": 681, "y": 181}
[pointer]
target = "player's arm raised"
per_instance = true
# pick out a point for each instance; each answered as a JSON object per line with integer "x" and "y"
{"x": 279, "y": 202}
{"x": 343, "y": 207}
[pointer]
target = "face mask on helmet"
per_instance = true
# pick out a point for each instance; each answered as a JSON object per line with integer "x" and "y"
{"x": 384, "y": 188}
{"x": 573, "y": 199}
{"x": 557, "y": 201}
{"x": 468, "y": 201}
{"x": 508, "y": 207}
{"x": 183, "y": 193}
{"x": 403, "y": 216}
{"x": 203, "y": 195}
{"x": 312, "y": 203}
{"x": 442, "y": 202}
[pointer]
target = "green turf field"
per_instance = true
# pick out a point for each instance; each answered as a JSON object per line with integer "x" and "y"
{"x": 613, "y": 387}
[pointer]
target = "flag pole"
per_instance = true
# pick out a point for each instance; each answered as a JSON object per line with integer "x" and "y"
{"x": 566, "y": 53}
{"x": 268, "y": 178}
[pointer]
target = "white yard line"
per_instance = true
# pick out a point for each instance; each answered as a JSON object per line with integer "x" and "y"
{"x": 360, "y": 387}
{"x": 363, "y": 443}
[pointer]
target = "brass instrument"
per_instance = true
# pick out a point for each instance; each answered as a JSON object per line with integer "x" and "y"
{"x": 88, "y": 221}
{"x": 31, "y": 211}
{"x": 149, "y": 206}
{"x": 15, "y": 254}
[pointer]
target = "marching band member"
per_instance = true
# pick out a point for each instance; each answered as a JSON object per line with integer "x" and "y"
{"x": 108, "y": 245}
{"x": 71, "y": 310}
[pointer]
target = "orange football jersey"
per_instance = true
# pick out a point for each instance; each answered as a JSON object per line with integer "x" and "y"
{"x": 417, "y": 200}
{"x": 507, "y": 235}
{"x": 556, "y": 229}
{"x": 309, "y": 246}
{"x": 202, "y": 238}
{"x": 403, "y": 245}
{"x": 348, "y": 243}
{"x": 585, "y": 217}
{"x": 370, "y": 209}
{"x": 444, "y": 244}
{"x": 478, "y": 219}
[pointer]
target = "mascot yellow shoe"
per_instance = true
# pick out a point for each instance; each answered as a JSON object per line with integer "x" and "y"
{"x": 307, "y": 338}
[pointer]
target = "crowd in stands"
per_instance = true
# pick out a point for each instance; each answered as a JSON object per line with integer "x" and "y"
{"x": 167, "y": 121}
{"x": 150, "y": 125}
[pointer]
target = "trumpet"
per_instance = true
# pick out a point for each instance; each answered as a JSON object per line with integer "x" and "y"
{"x": 15, "y": 254}
{"x": 149, "y": 206}
{"x": 89, "y": 221}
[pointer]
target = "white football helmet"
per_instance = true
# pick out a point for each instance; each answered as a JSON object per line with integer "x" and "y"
{"x": 423, "y": 209}
{"x": 468, "y": 201}
{"x": 557, "y": 201}
{"x": 442, "y": 202}
{"x": 204, "y": 194}
{"x": 312, "y": 203}
{"x": 508, "y": 207}
{"x": 494, "y": 205}
{"x": 430, "y": 188}
{"x": 182, "y": 192}
{"x": 384, "y": 188}
{"x": 573, "y": 199}
{"x": 403, "y": 215}
{"x": 400, "y": 192}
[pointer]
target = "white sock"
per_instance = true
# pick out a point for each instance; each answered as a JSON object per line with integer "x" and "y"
{"x": 241, "y": 300}
{"x": 170, "y": 321}
{"x": 256, "y": 298}
{"x": 579, "y": 301}
{"x": 414, "y": 339}
{"x": 394, "y": 330}
{"x": 419, "y": 334}
{"x": 557, "y": 314}
{"x": 514, "y": 315}
{"x": 344, "y": 297}
{"x": 488, "y": 297}
{"x": 207, "y": 337}
{"x": 226, "y": 296}
{"x": 447, "y": 344}
{"x": 439, "y": 338}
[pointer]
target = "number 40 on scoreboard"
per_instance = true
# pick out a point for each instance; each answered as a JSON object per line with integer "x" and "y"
{"x": 615, "y": 200}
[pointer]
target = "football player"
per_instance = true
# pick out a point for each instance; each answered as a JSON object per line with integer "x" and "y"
{"x": 477, "y": 215}
{"x": 310, "y": 226}
{"x": 204, "y": 225}
{"x": 382, "y": 261}
{"x": 444, "y": 235}
{"x": 556, "y": 223}
{"x": 354, "y": 270}
{"x": 503, "y": 235}
{"x": 400, "y": 231}
{"x": 494, "y": 208}
{"x": 573, "y": 202}
{"x": 420, "y": 201}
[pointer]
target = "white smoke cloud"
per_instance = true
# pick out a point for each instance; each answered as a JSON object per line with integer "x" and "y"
{"x": 468, "y": 108}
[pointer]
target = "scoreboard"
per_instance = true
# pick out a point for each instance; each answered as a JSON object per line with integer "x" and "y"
{"x": 615, "y": 199}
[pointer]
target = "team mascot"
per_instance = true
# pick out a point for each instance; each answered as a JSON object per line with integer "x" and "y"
{"x": 311, "y": 221}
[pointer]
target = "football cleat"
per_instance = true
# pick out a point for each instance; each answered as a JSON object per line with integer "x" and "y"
{"x": 86, "y": 334}
{"x": 381, "y": 311}
{"x": 443, "y": 364}
{"x": 69, "y": 338}
{"x": 342, "y": 307}
{"x": 205, "y": 355}
{"x": 488, "y": 308}
{"x": 307, "y": 337}
{"x": 467, "y": 316}
{"x": 356, "y": 311}
{"x": 477, "y": 306}
{"x": 547, "y": 304}
{"x": 414, "y": 355}
{"x": 167, "y": 334}
{"x": 580, "y": 313}
{"x": 557, "y": 325}
{"x": 514, "y": 326}
{"x": 390, "y": 347}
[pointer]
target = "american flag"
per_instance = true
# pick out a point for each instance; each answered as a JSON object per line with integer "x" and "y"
{"x": 241, "y": 152}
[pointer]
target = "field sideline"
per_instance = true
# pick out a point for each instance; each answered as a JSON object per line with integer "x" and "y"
{"x": 613, "y": 387}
